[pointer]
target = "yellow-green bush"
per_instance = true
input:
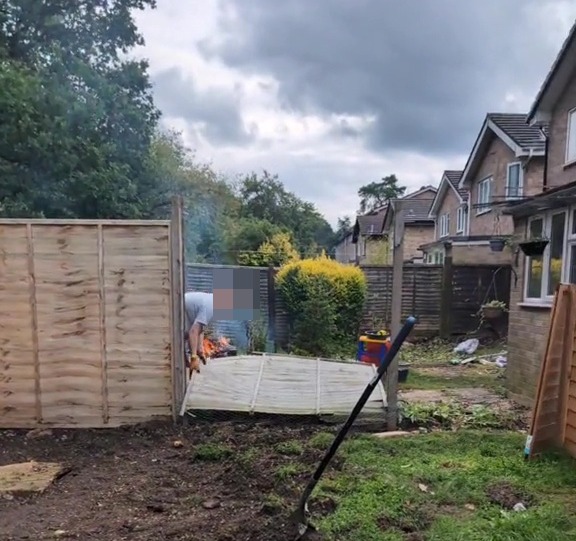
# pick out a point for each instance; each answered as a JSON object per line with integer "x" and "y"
{"x": 324, "y": 300}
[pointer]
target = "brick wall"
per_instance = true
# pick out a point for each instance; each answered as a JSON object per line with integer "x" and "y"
{"x": 449, "y": 205}
{"x": 414, "y": 237}
{"x": 558, "y": 174}
{"x": 527, "y": 335}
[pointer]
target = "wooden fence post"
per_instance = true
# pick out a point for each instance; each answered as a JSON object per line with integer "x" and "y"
{"x": 271, "y": 327}
{"x": 177, "y": 286}
{"x": 396, "y": 319}
{"x": 446, "y": 295}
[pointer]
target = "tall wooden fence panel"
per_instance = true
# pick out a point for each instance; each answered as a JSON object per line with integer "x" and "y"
{"x": 85, "y": 322}
{"x": 421, "y": 296}
{"x": 472, "y": 286}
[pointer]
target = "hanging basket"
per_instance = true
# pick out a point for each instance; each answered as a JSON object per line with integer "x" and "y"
{"x": 497, "y": 245}
{"x": 492, "y": 312}
{"x": 533, "y": 248}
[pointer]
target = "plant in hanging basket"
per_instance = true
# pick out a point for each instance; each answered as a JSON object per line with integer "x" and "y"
{"x": 497, "y": 244}
{"x": 534, "y": 247}
{"x": 493, "y": 309}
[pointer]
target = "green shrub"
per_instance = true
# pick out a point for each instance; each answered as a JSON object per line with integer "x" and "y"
{"x": 324, "y": 300}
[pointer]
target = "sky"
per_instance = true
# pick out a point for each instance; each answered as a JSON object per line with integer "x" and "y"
{"x": 334, "y": 94}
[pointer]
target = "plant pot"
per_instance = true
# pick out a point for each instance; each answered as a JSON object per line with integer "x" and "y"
{"x": 497, "y": 245}
{"x": 492, "y": 312}
{"x": 403, "y": 370}
{"x": 533, "y": 247}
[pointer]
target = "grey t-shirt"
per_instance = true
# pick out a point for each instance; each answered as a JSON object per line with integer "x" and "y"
{"x": 199, "y": 308}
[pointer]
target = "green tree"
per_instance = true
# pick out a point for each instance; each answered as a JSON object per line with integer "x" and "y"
{"x": 265, "y": 198}
{"x": 76, "y": 115}
{"x": 277, "y": 251}
{"x": 376, "y": 194}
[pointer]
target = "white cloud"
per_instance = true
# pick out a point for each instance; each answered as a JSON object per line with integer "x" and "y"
{"x": 321, "y": 157}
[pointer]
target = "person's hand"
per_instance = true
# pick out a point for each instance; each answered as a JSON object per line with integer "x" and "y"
{"x": 201, "y": 356}
{"x": 194, "y": 364}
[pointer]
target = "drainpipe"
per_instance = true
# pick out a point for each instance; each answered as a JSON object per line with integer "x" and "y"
{"x": 545, "y": 172}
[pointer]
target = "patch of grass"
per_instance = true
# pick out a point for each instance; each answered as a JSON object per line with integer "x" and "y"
{"x": 290, "y": 448}
{"x": 211, "y": 452}
{"x": 247, "y": 459}
{"x": 457, "y": 377}
{"x": 449, "y": 487}
{"x": 273, "y": 504}
{"x": 287, "y": 472}
{"x": 321, "y": 441}
{"x": 453, "y": 415}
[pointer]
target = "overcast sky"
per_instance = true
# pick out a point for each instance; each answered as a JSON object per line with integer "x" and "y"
{"x": 333, "y": 94}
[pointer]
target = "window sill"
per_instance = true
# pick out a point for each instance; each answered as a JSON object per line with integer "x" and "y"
{"x": 540, "y": 305}
{"x": 481, "y": 212}
{"x": 569, "y": 164}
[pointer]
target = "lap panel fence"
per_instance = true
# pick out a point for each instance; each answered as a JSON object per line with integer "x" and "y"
{"x": 86, "y": 313}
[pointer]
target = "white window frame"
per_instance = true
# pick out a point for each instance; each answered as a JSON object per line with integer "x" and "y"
{"x": 460, "y": 219}
{"x": 569, "y": 240}
{"x": 570, "y": 134}
{"x": 444, "y": 225}
{"x": 484, "y": 207}
{"x": 520, "y": 181}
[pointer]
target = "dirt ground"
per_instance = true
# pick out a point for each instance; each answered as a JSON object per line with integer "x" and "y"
{"x": 135, "y": 484}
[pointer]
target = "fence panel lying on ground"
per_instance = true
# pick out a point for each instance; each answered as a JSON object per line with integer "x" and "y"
{"x": 85, "y": 322}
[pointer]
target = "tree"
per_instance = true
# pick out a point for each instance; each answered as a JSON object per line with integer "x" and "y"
{"x": 377, "y": 194}
{"x": 76, "y": 115}
{"x": 265, "y": 198}
{"x": 343, "y": 226}
{"x": 277, "y": 251}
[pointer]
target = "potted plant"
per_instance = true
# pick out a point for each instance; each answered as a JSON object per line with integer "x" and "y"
{"x": 497, "y": 244}
{"x": 493, "y": 309}
{"x": 534, "y": 246}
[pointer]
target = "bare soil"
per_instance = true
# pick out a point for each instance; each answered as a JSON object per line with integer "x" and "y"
{"x": 156, "y": 482}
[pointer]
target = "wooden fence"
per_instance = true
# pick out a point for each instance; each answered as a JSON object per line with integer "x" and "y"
{"x": 86, "y": 322}
{"x": 444, "y": 298}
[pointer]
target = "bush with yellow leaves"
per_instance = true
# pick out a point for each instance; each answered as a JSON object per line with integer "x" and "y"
{"x": 324, "y": 300}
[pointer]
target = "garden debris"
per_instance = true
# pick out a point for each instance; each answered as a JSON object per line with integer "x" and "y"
{"x": 29, "y": 477}
{"x": 468, "y": 347}
{"x": 519, "y": 507}
{"x": 38, "y": 433}
{"x": 211, "y": 504}
{"x": 178, "y": 444}
{"x": 490, "y": 359}
{"x": 393, "y": 434}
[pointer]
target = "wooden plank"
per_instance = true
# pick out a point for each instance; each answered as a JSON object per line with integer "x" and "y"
{"x": 34, "y": 324}
{"x": 566, "y": 363}
{"x": 103, "y": 347}
{"x": 73, "y": 222}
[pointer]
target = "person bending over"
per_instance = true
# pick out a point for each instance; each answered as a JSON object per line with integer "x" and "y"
{"x": 199, "y": 308}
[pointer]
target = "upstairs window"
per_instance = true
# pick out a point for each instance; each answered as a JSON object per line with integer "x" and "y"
{"x": 461, "y": 219}
{"x": 444, "y": 225}
{"x": 514, "y": 181}
{"x": 484, "y": 195}
{"x": 571, "y": 137}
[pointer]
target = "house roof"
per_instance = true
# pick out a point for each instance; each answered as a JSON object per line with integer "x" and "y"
{"x": 415, "y": 211}
{"x": 511, "y": 129}
{"x": 560, "y": 73}
{"x": 370, "y": 224}
{"x": 449, "y": 180}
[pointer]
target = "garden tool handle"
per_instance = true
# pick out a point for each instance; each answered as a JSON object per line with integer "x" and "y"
{"x": 389, "y": 357}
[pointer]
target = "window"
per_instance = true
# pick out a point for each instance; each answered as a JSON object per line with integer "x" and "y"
{"x": 444, "y": 225}
{"x": 514, "y": 181}
{"x": 571, "y": 137}
{"x": 461, "y": 219}
{"x": 484, "y": 195}
{"x": 545, "y": 272}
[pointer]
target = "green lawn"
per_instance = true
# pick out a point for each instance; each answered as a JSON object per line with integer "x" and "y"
{"x": 457, "y": 486}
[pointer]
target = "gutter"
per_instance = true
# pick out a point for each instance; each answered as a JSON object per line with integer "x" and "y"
{"x": 545, "y": 172}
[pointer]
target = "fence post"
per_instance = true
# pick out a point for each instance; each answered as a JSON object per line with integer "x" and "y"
{"x": 446, "y": 295}
{"x": 396, "y": 319}
{"x": 177, "y": 286}
{"x": 271, "y": 328}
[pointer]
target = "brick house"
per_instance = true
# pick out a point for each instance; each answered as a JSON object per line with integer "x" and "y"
{"x": 449, "y": 210}
{"x": 506, "y": 163}
{"x": 345, "y": 250}
{"x": 550, "y": 214}
{"x": 372, "y": 236}
{"x": 418, "y": 225}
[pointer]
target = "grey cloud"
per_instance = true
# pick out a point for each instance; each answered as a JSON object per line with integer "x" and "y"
{"x": 177, "y": 96}
{"x": 428, "y": 70}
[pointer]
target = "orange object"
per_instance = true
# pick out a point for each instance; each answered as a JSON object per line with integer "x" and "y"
{"x": 372, "y": 350}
